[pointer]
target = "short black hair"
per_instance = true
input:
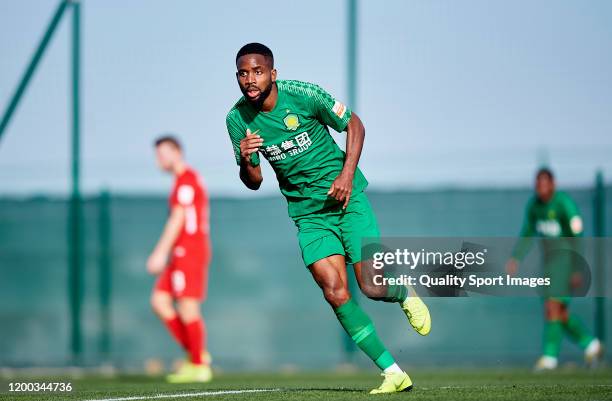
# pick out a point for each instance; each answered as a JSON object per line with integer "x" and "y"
{"x": 547, "y": 172}
{"x": 256, "y": 48}
{"x": 168, "y": 138}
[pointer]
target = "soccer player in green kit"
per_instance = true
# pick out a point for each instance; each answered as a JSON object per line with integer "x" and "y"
{"x": 287, "y": 122}
{"x": 553, "y": 216}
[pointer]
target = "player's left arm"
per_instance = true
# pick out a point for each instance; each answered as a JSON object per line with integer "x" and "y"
{"x": 576, "y": 228}
{"x": 525, "y": 241}
{"x": 572, "y": 214}
{"x": 159, "y": 257}
{"x": 342, "y": 186}
{"x": 335, "y": 114}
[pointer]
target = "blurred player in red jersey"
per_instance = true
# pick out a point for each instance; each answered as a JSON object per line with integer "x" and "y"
{"x": 180, "y": 259}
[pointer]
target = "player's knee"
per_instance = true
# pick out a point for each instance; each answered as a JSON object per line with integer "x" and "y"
{"x": 188, "y": 311}
{"x": 372, "y": 291}
{"x": 368, "y": 291}
{"x": 364, "y": 274}
{"x": 555, "y": 310}
{"x": 336, "y": 296}
{"x": 162, "y": 306}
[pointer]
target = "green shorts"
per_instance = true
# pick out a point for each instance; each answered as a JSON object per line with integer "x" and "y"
{"x": 335, "y": 231}
{"x": 559, "y": 270}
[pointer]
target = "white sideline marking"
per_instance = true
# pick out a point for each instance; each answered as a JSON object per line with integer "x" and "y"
{"x": 181, "y": 395}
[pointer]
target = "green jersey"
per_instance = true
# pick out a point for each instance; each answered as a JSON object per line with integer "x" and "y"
{"x": 557, "y": 218}
{"x": 297, "y": 143}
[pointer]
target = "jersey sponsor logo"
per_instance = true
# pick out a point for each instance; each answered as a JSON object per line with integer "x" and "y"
{"x": 339, "y": 109}
{"x": 287, "y": 145}
{"x": 303, "y": 139}
{"x": 273, "y": 153}
{"x": 548, "y": 228}
{"x": 303, "y": 143}
{"x": 292, "y": 122}
{"x": 290, "y": 147}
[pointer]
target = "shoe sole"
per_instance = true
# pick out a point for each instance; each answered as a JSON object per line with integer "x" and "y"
{"x": 427, "y": 322}
{"x": 395, "y": 392}
{"x": 406, "y": 389}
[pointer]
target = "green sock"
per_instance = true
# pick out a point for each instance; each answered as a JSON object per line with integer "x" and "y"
{"x": 577, "y": 331}
{"x": 396, "y": 293}
{"x": 553, "y": 334}
{"x": 360, "y": 328}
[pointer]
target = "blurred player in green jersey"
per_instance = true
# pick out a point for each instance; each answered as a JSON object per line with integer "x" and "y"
{"x": 287, "y": 122}
{"x": 553, "y": 216}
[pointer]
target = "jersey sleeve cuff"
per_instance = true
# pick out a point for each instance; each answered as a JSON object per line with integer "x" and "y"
{"x": 344, "y": 124}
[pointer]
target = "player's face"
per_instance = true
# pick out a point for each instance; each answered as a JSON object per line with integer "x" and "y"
{"x": 255, "y": 77}
{"x": 167, "y": 155}
{"x": 545, "y": 187}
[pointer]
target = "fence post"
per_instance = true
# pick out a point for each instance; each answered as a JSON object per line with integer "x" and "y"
{"x": 599, "y": 216}
{"x": 105, "y": 272}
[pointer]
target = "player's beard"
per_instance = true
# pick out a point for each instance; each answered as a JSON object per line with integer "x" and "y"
{"x": 262, "y": 96}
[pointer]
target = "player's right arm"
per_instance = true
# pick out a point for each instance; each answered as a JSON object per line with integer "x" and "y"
{"x": 525, "y": 241}
{"x": 246, "y": 145}
{"x": 250, "y": 174}
{"x": 159, "y": 257}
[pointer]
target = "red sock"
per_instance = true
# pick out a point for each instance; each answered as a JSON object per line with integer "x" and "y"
{"x": 195, "y": 334}
{"x": 177, "y": 329}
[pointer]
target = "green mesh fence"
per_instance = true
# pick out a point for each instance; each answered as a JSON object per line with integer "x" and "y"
{"x": 264, "y": 310}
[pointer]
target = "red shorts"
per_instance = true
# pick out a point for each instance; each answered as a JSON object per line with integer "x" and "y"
{"x": 186, "y": 276}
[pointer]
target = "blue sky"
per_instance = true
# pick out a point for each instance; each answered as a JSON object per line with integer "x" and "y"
{"x": 452, "y": 93}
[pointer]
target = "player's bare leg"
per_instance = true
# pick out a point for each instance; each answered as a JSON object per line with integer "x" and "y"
{"x": 554, "y": 314}
{"x": 162, "y": 304}
{"x": 330, "y": 274}
{"x": 189, "y": 310}
{"x": 575, "y": 329}
{"x": 415, "y": 309}
{"x": 558, "y": 322}
{"x": 197, "y": 369}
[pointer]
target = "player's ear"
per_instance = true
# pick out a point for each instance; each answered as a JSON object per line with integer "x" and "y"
{"x": 274, "y": 75}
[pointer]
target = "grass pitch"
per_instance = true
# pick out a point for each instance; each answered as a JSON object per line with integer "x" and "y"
{"x": 441, "y": 384}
